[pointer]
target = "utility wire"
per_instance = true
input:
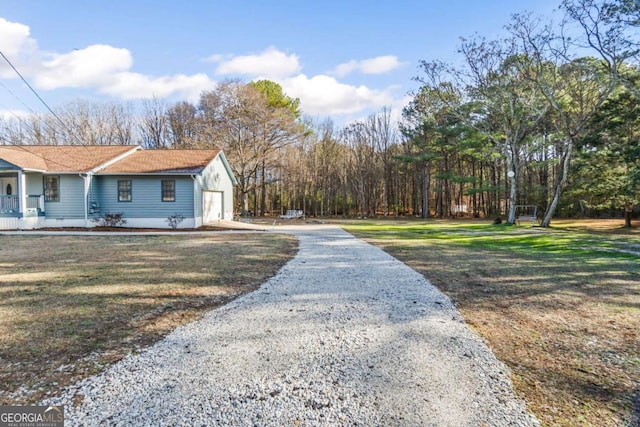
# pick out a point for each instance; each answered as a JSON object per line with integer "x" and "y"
{"x": 41, "y": 100}
{"x": 31, "y": 88}
{"x": 64, "y": 125}
{"x": 10, "y": 111}
{"x": 16, "y": 97}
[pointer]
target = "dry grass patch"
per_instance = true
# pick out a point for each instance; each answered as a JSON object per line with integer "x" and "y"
{"x": 560, "y": 308}
{"x": 71, "y": 304}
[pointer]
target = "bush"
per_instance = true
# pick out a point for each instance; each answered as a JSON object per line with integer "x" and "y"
{"x": 110, "y": 220}
{"x": 174, "y": 220}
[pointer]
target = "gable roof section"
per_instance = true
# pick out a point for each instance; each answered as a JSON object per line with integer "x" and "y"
{"x": 163, "y": 162}
{"x": 62, "y": 158}
{"x": 22, "y": 159}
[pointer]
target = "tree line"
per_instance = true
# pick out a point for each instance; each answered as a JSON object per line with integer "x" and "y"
{"x": 547, "y": 116}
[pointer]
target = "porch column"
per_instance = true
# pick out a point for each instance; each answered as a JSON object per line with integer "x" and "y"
{"x": 22, "y": 198}
{"x": 22, "y": 192}
{"x": 87, "y": 188}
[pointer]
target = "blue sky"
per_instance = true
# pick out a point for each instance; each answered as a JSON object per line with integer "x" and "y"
{"x": 343, "y": 59}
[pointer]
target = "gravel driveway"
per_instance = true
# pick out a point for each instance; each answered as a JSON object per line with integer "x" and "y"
{"x": 344, "y": 334}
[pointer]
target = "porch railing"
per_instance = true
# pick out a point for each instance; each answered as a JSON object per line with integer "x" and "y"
{"x": 9, "y": 204}
{"x": 36, "y": 202}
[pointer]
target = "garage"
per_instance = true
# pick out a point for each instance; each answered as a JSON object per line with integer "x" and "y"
{"x": 211, "y": 206}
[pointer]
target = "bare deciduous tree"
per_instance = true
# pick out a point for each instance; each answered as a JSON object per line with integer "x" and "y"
{"x": 239, "y": 119}
{"x": 154, "y": 125}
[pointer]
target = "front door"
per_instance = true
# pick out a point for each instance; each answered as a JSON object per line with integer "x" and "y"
{"x": 8, "y": 186}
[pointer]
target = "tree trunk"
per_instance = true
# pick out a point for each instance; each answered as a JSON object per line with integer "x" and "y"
{"x": 255, "y": 199}
{"x": 362, "y": 196}
{"x": 494, "y": 197}
{"x": 544, "y": 179}
{"x": 245, "y": 202}
{"x": 344, "y": 200}
{"x": 512, "y": 166}
{"x": 263, "y": 190}
{"x": 474, "y": 200}
{"x": 563, "y": 174}
{"x": 513, "y": 188}
{"x": 425, "y": 196}
{"x": 628, "y": 210}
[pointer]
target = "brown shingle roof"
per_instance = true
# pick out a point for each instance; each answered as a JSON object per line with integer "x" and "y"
{"x": 163, "y": 161}
{"x": 61, "y": 158}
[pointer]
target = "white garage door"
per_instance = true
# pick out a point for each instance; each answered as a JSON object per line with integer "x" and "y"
{"x": 211, "y": 206}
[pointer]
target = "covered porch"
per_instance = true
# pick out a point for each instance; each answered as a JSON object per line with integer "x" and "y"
{"x": 21, "y": 200}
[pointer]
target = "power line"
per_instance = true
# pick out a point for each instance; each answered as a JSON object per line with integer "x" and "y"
{"x": 17, "y": 98}
{"x": 41, "y": 100}
{"x": 64, "y": 125}
{"x": 11, "y": 112}
{"x": 30, "y": 87}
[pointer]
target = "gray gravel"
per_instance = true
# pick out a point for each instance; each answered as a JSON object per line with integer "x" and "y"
{"x": 344, "y": 334}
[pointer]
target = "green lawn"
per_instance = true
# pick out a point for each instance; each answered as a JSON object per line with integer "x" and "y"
{"x": 560, "y": 306}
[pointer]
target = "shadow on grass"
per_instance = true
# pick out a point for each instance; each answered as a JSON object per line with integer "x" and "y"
{"x": 562, "y": 310}
{"x": 69, "y": 303}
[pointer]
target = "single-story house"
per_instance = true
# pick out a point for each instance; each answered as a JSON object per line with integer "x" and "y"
{"x": 70, "y": 185}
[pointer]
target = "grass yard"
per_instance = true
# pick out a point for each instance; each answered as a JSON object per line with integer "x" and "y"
{"x": 71, "y": 304}
{"x": 561, "y": 307}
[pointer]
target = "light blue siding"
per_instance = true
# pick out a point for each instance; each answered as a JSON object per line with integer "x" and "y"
{"x": 35, "y": 184}
{"x": 146, "y": 196}
{"x": 71, "y": 204}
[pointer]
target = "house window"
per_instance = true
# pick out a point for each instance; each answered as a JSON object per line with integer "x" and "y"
{"x": 168, "y": 190}
{"x": 124, "y": 190}
{"x": 52, "y": 188}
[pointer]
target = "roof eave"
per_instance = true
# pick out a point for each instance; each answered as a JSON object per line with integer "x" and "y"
{"x": 148, "y": 173}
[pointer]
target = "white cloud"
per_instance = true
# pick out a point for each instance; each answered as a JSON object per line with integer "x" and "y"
{"x": 217, "y": 58}
{"x": 377, "y": 65}
{"x": 324, "y": 95}
{"x": 15, "y": 38}
{"x": 319, "y": 94}
{"x": 136, "y": 86}
{"x": 100, "y": 67}
{"x": 107, "y": 69}
{"x": 13, "y": 115}
{"x": 271, "y": 63}
{"x": 17, "y": 46}
{"x": 345, "y": 68}
{"x": 380, "y": 64}
{"x": 91, "y": 66}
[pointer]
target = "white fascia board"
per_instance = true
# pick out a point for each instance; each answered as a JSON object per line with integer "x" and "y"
{"x": 149, "y": 174}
